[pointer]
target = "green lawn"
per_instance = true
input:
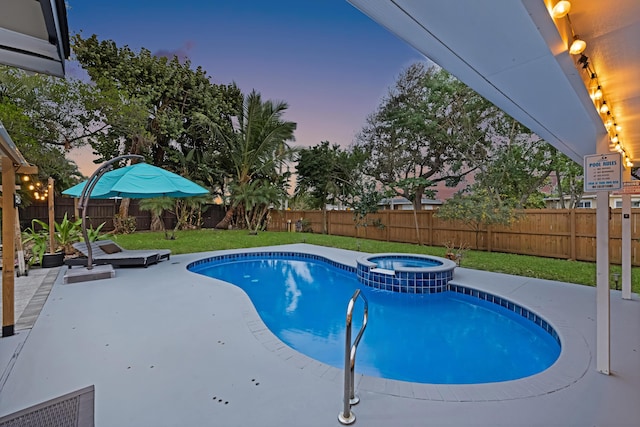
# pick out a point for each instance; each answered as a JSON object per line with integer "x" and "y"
{"x": 522, "y": 265}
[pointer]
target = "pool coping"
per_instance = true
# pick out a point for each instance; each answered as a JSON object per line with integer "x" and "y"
{"x": 572, "y": 364}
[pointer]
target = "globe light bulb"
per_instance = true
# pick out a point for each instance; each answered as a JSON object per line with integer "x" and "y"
{"x": 561, "y": 9}
{"x": 598, "y": 94}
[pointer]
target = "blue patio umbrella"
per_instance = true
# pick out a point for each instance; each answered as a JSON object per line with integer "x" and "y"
{"x": 139, "y": 181}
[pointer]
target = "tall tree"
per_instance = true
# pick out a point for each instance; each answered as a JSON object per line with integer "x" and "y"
{"x": 518, "y": 165}
{"x": 256, "y": 197}
{"x": 255, "y": 150}
{"x": 155, "y": 108}
{"x": 429, "y": 126}
{"x": 163, "y": 91}
{"x": 569, "y": 181}
{"x": 327, "y": 173}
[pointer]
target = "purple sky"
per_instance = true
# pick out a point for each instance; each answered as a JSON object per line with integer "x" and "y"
{"x": 327, "y": 60}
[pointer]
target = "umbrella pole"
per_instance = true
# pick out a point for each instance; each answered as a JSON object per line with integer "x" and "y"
{"x": 86, "y": 194}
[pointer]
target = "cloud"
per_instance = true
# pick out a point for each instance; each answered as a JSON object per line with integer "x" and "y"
{"x": 182, "y": 53}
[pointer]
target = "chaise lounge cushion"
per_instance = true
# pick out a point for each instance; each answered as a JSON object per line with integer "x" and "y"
{"x": 110, "y": 248}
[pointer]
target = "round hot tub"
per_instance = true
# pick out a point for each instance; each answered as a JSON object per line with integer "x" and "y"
{"x": 407, "y": 273}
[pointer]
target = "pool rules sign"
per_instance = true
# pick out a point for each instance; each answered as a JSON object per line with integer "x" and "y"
{"x": 603, "y": 172}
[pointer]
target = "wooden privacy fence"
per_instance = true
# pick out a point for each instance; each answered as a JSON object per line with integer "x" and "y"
{"x": 553, "y": 233}
{"x": 100, "y": 211}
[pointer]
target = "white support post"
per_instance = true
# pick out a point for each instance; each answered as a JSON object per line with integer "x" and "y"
{"x": 603, "y": 290}
{"x": 626, "y": 239}
{"x": 603, "y": 318}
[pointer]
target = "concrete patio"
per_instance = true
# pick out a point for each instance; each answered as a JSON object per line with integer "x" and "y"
{"x": 167, "y": 347}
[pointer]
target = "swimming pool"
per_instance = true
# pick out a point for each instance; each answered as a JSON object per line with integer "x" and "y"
{"x": 460, "y": 336}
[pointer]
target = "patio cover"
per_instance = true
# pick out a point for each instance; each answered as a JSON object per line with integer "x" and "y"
{"x": 34, "y": 36}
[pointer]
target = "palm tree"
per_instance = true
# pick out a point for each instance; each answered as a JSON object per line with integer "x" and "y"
{"x": 257, "y": 197}
{"x": 256, "y": 149}
{"x": 157, "y": 206}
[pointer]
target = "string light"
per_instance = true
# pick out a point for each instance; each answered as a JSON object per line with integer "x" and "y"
{"x": 598, "y": 94}
{"x": 577, "y": 47}
{"x": 604, "y": 108}
{"x": 40, "y": 191}
{"x": 561, "y": 9}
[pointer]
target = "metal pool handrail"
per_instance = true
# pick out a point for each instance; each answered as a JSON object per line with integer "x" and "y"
{"x": 347, "y": 416}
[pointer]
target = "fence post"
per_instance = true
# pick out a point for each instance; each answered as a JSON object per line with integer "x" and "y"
{"x": 429, "y": 241}
{"x": 572, "y": 227}
{"x": 388, "y": 224}
{"x": 489, "y": 237}
{"x": 76, "y": 210}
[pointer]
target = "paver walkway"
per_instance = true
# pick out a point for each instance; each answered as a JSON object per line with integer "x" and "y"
{"x": 30, "y": 294}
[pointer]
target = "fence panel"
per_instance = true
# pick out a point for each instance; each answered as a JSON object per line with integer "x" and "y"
{"x": 553, "y": 233}
{"x": 100, "y": 211}
{"x": 341, "y": 223}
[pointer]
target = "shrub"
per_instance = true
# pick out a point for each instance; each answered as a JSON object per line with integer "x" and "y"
{"x": 124, "y": 225}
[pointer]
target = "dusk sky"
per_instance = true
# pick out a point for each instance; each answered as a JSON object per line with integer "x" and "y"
{"x": 327, "y": 60}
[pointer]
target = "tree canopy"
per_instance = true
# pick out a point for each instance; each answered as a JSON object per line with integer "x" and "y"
{"x": 329, "y": 174}
{"x": 45, "y": 116}
{"x": 429, "y": 126}
{"x": 153, "y": 104}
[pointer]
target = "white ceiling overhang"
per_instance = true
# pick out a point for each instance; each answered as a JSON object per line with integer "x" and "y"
{"x": 34, "y": 35}
{"x": 511, "y": 52}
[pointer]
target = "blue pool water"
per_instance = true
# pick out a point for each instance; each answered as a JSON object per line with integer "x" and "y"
{"x": 399, "y": 262}
{"x": 445, "y": 338}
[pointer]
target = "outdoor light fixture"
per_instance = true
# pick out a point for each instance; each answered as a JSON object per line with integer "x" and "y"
{"x": 577, "y": 46}
{"x": 40, "y": 192}
{"x": 598, "y": 94}
{"x": 604, "y": 107}
{"x": 561, "y": 9}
